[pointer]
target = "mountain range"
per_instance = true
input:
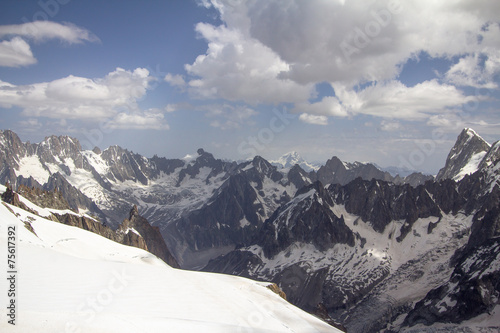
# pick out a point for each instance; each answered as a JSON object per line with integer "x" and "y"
{"x": 346, "y": 241}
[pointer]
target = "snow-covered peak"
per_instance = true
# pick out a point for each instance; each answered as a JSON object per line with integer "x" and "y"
{"x": 292, "y": 158}
{"x": 465, "y": 156}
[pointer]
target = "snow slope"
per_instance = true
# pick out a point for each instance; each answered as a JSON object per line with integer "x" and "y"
{"x": 71, "y": 280}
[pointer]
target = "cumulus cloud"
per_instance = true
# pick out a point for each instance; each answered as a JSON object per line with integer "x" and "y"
{"x": 239, "y": 68}
{"x": 391, "y": 99}
{"x": 113, "y": 97}
{"x": 16, "y": 51}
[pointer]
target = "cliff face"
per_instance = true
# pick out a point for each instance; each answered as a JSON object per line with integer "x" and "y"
{"x": 136, "y": 231}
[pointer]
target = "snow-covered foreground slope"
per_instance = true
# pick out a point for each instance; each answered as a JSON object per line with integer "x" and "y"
{"x": 71, "y": 280}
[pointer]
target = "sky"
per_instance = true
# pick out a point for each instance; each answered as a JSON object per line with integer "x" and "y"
{"x": 386, "y": 81}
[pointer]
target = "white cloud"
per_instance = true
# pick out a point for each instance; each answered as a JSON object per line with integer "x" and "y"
{"x": 328, "y": 106}
{"x": 475, "y": 70}
{"x": 112, "y": 98}
{"x": 150, "y": 119}
{"x": 390, "y": 99}
{"x": 44, "y": 30}
{"x": 175, "y": 80}
{"x": 393, "y": 99}
{"x": 239, "y": 68}
{"x": 313, "y": 119}
{"x": 16, "y": 53}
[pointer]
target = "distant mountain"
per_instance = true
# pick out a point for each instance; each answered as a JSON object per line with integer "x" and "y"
{"x": 290, "y": 159}
{"x": 465, "y": 156}
{"x": 397, "y": 171}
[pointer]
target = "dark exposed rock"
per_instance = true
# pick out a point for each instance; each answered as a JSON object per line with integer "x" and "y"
{"x": 149, "y": 234}
{"x": 322, "y": 312}
{"x": 11, "y": 197}
{"x": 298, "y": 177}
{"x": 134, "y": 231}
{"x": 240, "y": 263}
{"x": 379, "y": 202}
{"x": 230, "y": 217}
{"x": 125, "y": 165}
{"x": 309, "y": 221}
{"x": 204, "y": 159}
{"x": 275, "y": 289}
{"x": 337, "y": 172}
{"x": 473, "y": 289}
{"x": 53, "y": 199}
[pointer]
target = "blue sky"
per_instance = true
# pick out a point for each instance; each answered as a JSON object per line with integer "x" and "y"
{"x": 392, "y": 82}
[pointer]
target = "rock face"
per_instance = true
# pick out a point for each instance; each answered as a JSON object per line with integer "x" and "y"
{"x": 308, "y": 220}
{"x": 337, "y": 172}
{"x": 148, "y": 237}
{"x": 465, "y": 156}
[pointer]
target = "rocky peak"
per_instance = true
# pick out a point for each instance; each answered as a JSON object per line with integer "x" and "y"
{"x": 97, "y": 150}
{"x": 298, "y": 176}
{"x": 465, "y": 156}
{"x": 136, "y": 230}
{"x": 264, "y": 168}
{"x": 125, "y": 165}
{"x": 204, "y": 158}
{"x": 11, "y": 149}
{"x": 55, "y": 149}
{"x": 133, "y": 212}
